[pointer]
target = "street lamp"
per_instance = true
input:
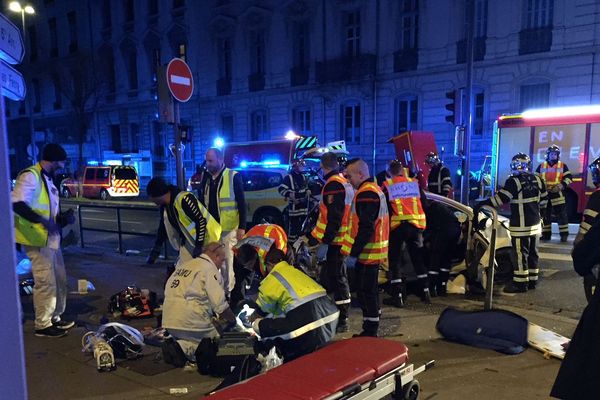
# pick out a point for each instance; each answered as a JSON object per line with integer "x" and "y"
{"x": 15, "y": 6}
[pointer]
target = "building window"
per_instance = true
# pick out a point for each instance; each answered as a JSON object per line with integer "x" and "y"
{"x": 178, "y": 3}
{"x": 134, "y": 138}
{"x": 53, "y": 37}
{"x": 259, "y": 128}
{"x": 481, "y": 11}
{"x": 352, "y": 33}
{"x": 36, "y": 95}
{"x": 226, "y": 128}
{"x": 131, "y": 63}
{"x": 224, "y": 55}
{"x": 534, "y": 96}
{"x": 115, "y": 138}
{"x": 72, "y": 19}
{"x": 409, "y": 24}
{"x": 106, "y": 15}
{"x": 257, "y": 55}
{"x": 57, "y": 94}
{"x": 300, "y": 44}
{"x": 538, "y": 13}
{"x": 301, "y": 121}
{"x": 152, "y": 7}
{"x": 406, "y": 114}
{"x": 478, "y": 120}
{"x": 129, "y": 10}
{"x": 33, "y": 48}
{"x": 351, "y": 123}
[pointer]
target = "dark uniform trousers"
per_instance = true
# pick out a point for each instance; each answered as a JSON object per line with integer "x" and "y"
{"x": 560, "y": 210}
{"x": 336, "y": 280}
{"x": 525, "y": 259}
{"x": 367, "y": 293}
{"x": 442, "y": 243}
{"x": 413, "y": 237}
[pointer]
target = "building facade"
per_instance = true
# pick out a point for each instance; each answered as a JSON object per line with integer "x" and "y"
{"x": 355, "y": 70}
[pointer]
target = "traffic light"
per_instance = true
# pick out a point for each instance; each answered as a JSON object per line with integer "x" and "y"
{"x": 451, "y": 106}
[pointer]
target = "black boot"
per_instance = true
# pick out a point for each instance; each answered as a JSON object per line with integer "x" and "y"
{"x": 432, "y": 288}
{"x": 515, "y": 287}
{"x": 426, "y": 296}
{"x": 441, "y": 288}
{"x": 396, "y": 301}
{"x": 564, "y": 238}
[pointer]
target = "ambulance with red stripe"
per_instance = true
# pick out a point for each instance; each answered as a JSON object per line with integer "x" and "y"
{"x": 104, "y": 182}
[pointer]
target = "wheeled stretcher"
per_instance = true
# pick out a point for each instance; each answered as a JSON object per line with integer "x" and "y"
{"x": 357, "y": 368}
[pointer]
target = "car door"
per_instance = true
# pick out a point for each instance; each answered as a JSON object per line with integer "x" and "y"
{"x": 89, "y": 180}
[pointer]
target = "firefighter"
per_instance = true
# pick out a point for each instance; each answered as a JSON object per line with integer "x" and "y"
{"x": 407, "y": 222}
{"x": 223, "y": 192}
{"x": 295, "y": 190}
{"x": 439, "y": 180}
{"x": 591, "y": 215}
{"x": 557, "y": 177}
{"x": 366, "y": 241}
{"x": 527, "y": 195}
{"x": 332, "y": 224}
{"x": 250, "y": 256}
{"x": 300, "y": 316}
{"x": 185, "y": 222}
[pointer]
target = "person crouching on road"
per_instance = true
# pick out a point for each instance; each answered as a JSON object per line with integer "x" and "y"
{"x": 194, "y": 296}
{"x": 250, "y": 255}
{"x": 407, "y": 222}
{"x": 528, "y": 197}
{"x": 38, "y": 222}
{"x": 330, "y": 230}
{"x": 366, "y": 241}
{"x": 301, "y": 317}
{"x": 184, "y": 221}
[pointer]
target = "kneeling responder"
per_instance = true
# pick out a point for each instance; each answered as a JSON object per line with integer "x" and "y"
{"x": 407, "y": 222}
{"x": 527, "y": 195}
{"x": 557, "y": 178}
{"x": 332, "y": 225}
{"x": 250, "y": 255}
{"x": 591, "y": 215}
{"x": 303, "y": 318}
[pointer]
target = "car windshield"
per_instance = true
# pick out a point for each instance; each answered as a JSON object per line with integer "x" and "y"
{"x": 125, "y": 173}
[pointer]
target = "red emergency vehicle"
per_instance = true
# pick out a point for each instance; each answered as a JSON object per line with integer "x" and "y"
{"x": 576, "y": 130}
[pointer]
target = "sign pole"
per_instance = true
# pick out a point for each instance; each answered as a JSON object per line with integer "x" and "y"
{"x": 179, "y": 171}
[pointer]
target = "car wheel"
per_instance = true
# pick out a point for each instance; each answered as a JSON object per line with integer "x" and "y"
{"x": 65, "y": 193}
{"x": 268, "y": 215}
{"x": 104, "y": 195}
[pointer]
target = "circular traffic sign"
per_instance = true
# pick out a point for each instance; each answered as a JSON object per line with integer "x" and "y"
{"x": 180, "y": 80}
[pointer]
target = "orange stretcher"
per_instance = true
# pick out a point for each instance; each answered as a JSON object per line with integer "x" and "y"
{"x": 357, "y": 368}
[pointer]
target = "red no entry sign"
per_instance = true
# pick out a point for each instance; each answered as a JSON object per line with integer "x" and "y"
{"x": 180, "y": 80}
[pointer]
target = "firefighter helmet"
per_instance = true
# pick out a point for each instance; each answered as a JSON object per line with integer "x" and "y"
{"x": 432, "y": 158}
{"x": 553, "y": 149}
{"x": 595, "y": 170}
{"x": 520, "y": 163}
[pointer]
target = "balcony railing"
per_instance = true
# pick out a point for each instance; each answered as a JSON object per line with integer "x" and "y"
{"x": 406, "y": 60}
{"x": 346, "y": 68}
{"x": 535, "y": 40}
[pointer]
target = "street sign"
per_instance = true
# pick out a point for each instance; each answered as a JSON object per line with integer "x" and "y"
{"x": 13, "y": 84}
{"x": 180, "y": 80}
{"x": 12, "y": 48}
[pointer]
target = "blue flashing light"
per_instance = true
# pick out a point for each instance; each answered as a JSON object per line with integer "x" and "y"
{"x": 93, "y": 163}
{"x": 459, "y": 172}
{"x": 271, "y": 162}
{"x": 243, "y": 164}
{"x": 219, "y": 143}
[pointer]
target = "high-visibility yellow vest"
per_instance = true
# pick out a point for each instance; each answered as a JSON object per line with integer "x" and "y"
{"x": 27, "y": 232}
{"x": 286, "y": 288}
{"x": 321, "y": 225}
{"x": 375, "y": 251}
{"x": 229, "y": 215}
{"x": 405, "y": 201}
{"x": 552, "y": 174}
{"x": 188, "y": 227}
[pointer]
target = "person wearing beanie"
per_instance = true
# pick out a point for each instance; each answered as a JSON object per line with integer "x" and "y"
{"x": 185, "y": 222}
{"x": 38, "y": 223}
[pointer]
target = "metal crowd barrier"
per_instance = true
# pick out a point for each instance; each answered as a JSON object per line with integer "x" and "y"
{"x": 79, "y": 205}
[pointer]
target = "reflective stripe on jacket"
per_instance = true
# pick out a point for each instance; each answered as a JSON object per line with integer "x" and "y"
{"x": 188, "y": 227}
{"x": 27, "y": 232}
{"x": 375, "y": 251}
{"x": 321, "y": 225}
{"x": 229, "y": 215}
{"x": 270, "y": 231}
{"x": 405, "y": 201}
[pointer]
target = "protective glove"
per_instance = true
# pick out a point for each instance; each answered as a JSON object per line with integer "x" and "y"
{"x": 154, "y": 253}
{"x": 351, "y": 262}
{"x": 558, "y": 188}
{"x": 50, "y": 226}
{"x": 322, "y": 252}
{"x": 66, "y": 218}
